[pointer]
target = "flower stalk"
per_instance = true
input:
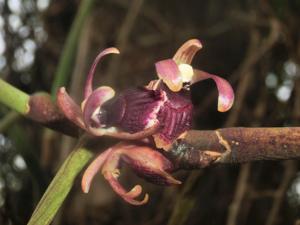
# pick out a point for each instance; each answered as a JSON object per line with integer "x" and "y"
{"x": 38, "y": 107}
{"x": 14, "y": 98}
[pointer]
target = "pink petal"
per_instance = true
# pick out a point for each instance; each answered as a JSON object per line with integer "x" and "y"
{"x": 110, "y": 161}
{"x": 168, "y": 71}
{"x": 127, "y": 196}
{"x": 70, "y": 109}
{"x": 187, "y": 51}
{"x": 94, "y": 101}
{"x": 92, "y": 169}
{"x": 226, "y": 94}
{"x": 88, "y": 85}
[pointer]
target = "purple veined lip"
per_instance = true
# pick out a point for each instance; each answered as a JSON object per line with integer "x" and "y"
{"x": 139, "y": 108}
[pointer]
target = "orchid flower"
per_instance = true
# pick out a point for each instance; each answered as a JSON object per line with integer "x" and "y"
{"x": 156, "y": 115}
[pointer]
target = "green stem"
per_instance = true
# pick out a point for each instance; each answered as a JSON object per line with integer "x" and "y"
{"x": 66, "y": 61}
{"x": 59, "y": 188}
{"x": 13, "y": 97}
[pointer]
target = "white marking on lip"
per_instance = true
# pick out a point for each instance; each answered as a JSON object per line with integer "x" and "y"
{"x": 152, "y": 120}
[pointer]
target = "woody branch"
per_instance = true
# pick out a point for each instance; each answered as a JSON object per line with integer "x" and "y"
{"x": 236, "y": 145}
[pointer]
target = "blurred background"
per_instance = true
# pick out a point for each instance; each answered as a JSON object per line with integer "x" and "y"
{"x": 254, "y": 44}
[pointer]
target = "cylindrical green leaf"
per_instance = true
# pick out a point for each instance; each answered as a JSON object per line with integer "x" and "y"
{"x": 59, "y": 187}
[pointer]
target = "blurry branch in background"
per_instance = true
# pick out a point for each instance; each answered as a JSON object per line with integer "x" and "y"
{"x": 66, "y": 61}
{"x": 296, "y": 111}
{"x": 25, "y": 148}
{"x": 239, "y": 194}
{"x": 150, "y": 14}
{"x": 253, "y": 55}
{"x": 123, "y": 36}
{"x": 290, "y": 170}
{"x": 186, "y": 200}
{"x": 8, "y": 119}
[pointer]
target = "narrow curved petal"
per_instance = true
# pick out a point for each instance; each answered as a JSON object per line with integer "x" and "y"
{"x": 110, "y": 170}
{"x": 226, "y": 94}
{"x": 94, "y": 101}
{"x": 70, "y": 109}
{"x": 93, "y": 169}
{"x": 168, "y": 71}
{"x": 187, "y": 51}
{"x": 89, "y": 81}
{"x": 127, "y": 196}
{"x": 110, "y": 163}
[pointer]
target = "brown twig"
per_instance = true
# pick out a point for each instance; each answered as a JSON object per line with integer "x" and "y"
{"x": 235, "y": 145}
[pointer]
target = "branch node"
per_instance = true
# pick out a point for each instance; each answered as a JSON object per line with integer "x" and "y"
{"x": 226, "y": 145}
{"x": 185, "y": 156}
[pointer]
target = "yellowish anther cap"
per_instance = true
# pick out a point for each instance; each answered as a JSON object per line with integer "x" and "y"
{"x": 186, "y": 71}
